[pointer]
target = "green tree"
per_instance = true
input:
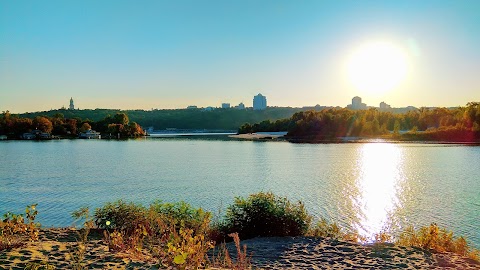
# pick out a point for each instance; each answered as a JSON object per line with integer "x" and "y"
{"x": 245, "y": 128}
{"x": 121, "y": 118}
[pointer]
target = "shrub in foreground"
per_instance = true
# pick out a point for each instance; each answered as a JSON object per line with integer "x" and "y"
{"x": 120, "y": 216}
{"x": 174, "y": 234}
{"x": 325, "y": 229}
{"x": 438, "y": 239}
{"x": 265, "y": 214}
{"x": 182, "y": 215}
{"x": 14, "y": 228}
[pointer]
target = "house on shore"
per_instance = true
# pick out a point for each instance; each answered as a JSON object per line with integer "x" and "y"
{"x": 90, "y": 134}
{"x": 36, "y": 135}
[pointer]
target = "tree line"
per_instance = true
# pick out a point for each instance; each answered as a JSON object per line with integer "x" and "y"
{"x": 225, "y": 119}
{"x": 460, "y": 124}
{"x": 14, "y": 126}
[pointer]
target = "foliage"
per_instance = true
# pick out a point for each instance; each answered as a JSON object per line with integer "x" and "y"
{"x": 223, "y": 259}
{"x": 184, "y": 249}
{"x": 325, "y": 229}
{"x": 42, "y": 123}
{"x": 14, "y": 228}
{"x": 457, "y": 124}
{"x": 264, "y": 214}
{"x": 174, "y": 234}
{"x": 383, "y": 237}
{"x": 266, "y": 125}
{"x": 182, "y": 215}
{"x": 463, "y": 123}
{"x": 226, "y": 119}
{"x": 77, "y": 251}
{"x": 85, "y": 126}
{"x": 120, "y": 216}
{"x": 438, "y": 239}
{"x": 57, "y": 124}
{"x": 180, "y": 234}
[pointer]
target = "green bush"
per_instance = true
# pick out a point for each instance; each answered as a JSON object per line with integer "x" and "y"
{"x": 120, "y": 216}
{"x": 264, "y": 214}
{"x": 182, "y": 215}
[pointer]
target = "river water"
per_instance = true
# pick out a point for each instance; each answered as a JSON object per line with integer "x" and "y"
{"x": 367, "y": 186}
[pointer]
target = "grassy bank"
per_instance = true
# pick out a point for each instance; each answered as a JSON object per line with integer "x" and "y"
{"x": 178, "y": 235}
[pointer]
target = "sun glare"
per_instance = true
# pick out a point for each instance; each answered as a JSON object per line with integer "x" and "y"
{"x": 377, "y": 67}
{"x": 378, "y": 184}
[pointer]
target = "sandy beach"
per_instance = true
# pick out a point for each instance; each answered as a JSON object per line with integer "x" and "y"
{"x": 258, "y": 136}
{"x": 266, "y": 253}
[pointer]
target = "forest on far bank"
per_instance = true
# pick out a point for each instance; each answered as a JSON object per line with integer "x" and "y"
{"x": 457, "y": 124}
{"x": 220, "y": 119}
{"x": 131, "y": 123}
{"x": 450, "y": 124}
{"x": 118, "y": 125}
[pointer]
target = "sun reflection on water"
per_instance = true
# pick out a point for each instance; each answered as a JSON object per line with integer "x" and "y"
{"x": 378, "y": 184}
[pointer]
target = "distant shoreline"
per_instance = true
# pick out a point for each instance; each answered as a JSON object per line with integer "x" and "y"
{"x": 273, "y": 137}
{"x": 339, "y": 140}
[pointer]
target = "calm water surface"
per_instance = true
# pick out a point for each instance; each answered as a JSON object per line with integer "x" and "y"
{"x": 370, "y": 187}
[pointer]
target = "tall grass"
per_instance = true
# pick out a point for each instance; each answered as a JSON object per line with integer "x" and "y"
{"x": 438, "y": 239}
{"x": 223, "y": 260}
{"x": 325, "y": 229}
{"x": 78, "y": 250}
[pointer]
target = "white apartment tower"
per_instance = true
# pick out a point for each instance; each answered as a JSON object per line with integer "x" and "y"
{"x": 259, "y": 102}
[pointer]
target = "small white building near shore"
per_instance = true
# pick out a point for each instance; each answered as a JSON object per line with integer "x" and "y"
{"x": 90, "y": 134}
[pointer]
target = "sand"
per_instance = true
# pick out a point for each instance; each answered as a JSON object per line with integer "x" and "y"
{"x": 257, "y": 136}
{"x": 318, "y": 253}
{"x": 266, "y": 253}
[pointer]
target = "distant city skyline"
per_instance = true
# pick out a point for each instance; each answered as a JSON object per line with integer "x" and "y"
{"x": 260, "y": 103}
{"x": 172, "y": 54}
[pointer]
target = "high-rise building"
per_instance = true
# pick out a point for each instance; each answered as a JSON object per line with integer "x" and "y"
{"x": 71, "y": 107}
{"x": 384, "y": 106}
{"x": 357, "y": 104}
{"x": 241, "y": 106}
{"x": 259, "y": 102}
{"x": 225, "y": 105}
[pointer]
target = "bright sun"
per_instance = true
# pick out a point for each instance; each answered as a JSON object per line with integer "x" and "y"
{"x": 377, "y": 67}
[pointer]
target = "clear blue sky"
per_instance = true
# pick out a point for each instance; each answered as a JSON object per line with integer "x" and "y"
{"x": 170, "y": 54}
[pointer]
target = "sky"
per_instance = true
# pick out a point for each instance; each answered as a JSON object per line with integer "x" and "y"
{"x": 171, "y": 54}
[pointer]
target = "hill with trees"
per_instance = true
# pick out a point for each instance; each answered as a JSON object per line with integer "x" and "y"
{"x": 226, "y": 119}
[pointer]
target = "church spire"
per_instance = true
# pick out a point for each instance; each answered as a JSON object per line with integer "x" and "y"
{"x": 71, "y": 107}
